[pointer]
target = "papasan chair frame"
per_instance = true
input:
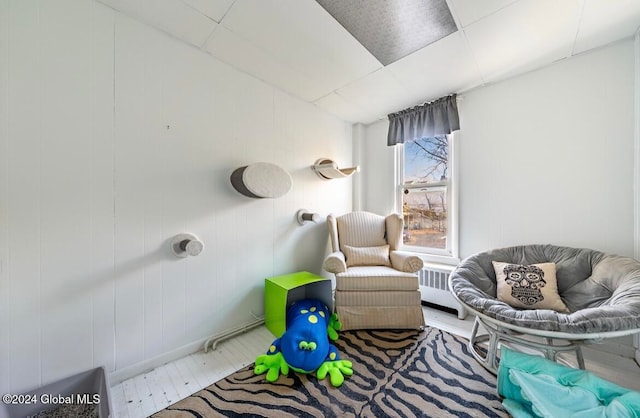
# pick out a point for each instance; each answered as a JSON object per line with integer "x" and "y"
{"x": 602, "y": 292}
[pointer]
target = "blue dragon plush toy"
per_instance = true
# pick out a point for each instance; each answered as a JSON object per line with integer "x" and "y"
{"x": 304, "y": 347}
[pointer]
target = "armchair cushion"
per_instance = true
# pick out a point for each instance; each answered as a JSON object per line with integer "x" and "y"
{"x": 602, "y": 291}
{"x": 376, "y": 278}
{"x": 360, "y": 229}
{"x": 367, "y": 256}
{"x": 406, "y": 262}
{"x": 335, "y": 263}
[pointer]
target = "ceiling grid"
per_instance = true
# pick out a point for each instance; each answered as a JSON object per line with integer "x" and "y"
{"x": 300, "y": 48}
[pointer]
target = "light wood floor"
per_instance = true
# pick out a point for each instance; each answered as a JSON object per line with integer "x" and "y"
{"x": 148, "y": 393}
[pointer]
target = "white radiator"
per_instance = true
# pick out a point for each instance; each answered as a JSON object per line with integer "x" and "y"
{"x": 434, "y": 287}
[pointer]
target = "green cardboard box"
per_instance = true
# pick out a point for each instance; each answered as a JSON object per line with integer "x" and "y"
{"x": 280, "y": 292}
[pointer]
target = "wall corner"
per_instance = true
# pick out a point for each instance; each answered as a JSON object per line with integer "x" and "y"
{"x": 358, "y": 138}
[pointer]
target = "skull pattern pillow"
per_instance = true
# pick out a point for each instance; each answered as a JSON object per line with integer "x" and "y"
{"x": 531, "y": 286}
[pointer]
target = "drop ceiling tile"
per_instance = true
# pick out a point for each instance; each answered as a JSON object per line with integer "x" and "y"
{"x": 345, "y": 110}
{"x": 303, "y": 37}
{"x": 379, "y": 93}
{"x": 470, "y": 11}
{"x": 606, "y": 21}
{"x": 182, "y": 21}
{"x": 441, "y": 68}
{"x": 171, "y": 16}
{"x": 214, "y": 9}
{"x": 234, "y": 50}
{"x": 131, "y": 8}
{"x": 529, "y": 32}
{"x": 393, "y": 29}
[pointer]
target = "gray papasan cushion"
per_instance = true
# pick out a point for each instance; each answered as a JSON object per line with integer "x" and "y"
{"x": 602, "y": 291}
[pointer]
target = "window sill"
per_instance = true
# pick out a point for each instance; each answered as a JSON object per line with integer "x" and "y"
{"x": 434, "y": 258}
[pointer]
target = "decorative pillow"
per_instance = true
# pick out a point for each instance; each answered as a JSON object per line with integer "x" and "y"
{"x": 367, "y": 256}
{"x": 529, "y": 286}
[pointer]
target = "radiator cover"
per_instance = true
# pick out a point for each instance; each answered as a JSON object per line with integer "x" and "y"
{"x": 434, "y": 287}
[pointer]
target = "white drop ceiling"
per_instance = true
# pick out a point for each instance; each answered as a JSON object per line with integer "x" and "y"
{"x": 297, "y": 46}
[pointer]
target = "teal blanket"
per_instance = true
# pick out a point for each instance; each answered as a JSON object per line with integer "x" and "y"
{"x": 533, "y": 386}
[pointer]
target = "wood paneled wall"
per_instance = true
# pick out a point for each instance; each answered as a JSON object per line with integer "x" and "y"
{"x": 114, "y": 137}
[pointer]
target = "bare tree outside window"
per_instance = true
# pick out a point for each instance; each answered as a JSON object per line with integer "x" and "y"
{"x": 425, "y": 186}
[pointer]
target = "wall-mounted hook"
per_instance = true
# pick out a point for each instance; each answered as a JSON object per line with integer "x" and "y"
{"x": 305, "y": 216}
{"x": 328, "y": 169}
{"x": 184, "y": 245}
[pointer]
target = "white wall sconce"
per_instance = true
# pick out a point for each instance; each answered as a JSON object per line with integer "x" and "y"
{"x": 327, "y": 169}
{"x": 184, "y": 245}
{"x": 305, "y": 216}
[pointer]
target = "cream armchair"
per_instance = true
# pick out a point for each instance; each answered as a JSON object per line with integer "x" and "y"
{"x": 376, "y": 284}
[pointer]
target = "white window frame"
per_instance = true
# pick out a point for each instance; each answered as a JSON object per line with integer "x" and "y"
{"x": 434, "y": 255}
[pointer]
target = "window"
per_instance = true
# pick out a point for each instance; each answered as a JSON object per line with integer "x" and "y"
{"x": 426, "y": 193}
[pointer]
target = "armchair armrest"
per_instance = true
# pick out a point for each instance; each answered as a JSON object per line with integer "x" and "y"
{"x": 335, "y": 263}
{"x": 406, "y": 262}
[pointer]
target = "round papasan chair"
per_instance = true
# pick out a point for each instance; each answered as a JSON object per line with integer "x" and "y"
{"x": 599, "y": 297}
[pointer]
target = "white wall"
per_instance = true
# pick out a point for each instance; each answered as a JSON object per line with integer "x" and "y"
{"x": 378, "y": 171}
{"x": 545, "y": 157}
{"x": 113, "y": 138}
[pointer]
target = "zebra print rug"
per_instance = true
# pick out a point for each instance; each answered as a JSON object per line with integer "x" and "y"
{"x": 396, "y": 374}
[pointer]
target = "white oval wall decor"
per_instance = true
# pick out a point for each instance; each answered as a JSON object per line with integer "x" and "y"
{"x": 261, "y": 180}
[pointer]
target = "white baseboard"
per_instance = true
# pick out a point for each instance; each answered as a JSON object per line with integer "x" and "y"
{"x": 119, "y": 375}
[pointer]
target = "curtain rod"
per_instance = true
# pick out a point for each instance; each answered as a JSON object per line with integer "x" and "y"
{"x": 459, "y": 98}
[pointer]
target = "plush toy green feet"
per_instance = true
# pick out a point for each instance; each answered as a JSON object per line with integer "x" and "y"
{"x": 273, "y": 364}
{"x": 337, "y": 370}
{"x": 334, "y": 326}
